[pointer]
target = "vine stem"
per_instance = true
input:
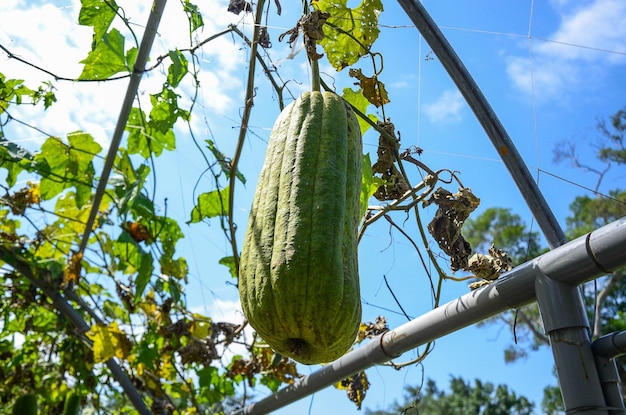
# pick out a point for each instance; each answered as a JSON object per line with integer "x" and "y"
{"x": 315, "y": 75}
{"x": 249, "y": 103}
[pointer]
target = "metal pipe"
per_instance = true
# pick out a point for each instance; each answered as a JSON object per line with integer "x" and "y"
{"x": 610, "y": 345}
{"x": 606, "y": 349}
{"x": 567, "y": 327}
{"x": 513, "y": 289}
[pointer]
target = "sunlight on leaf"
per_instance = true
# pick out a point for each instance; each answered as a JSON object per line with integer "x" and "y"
{"x": 358, "y": 100}
{"x": 210, "y": 205}
{"x": 178, "y": 69}
{"x": 354, "y": 31}
{"x": 107, "y": 59}
{"x": 99, "y": 14}
{"x": 108, "y": 342}
{"x": 194, "y": 15}
{"x": 229, "y": 261}
{"x": 369, "y": 183}
{"x": 63, "y": 166}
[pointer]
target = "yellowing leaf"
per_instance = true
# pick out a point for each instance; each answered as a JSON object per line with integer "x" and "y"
{"x": 167, "y": 369}
{"x": 200, "y": 330}
{"x": 34, "y": 192}
{"x": 71, "y": 274}
{"x": 200, "y": 327}
{"x": 349, "y": 33}
{"x": 108, "y": 341}
{"x": 373, "y": 89}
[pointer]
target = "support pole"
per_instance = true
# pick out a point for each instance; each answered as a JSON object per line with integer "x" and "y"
{"x": 580, "y": 385}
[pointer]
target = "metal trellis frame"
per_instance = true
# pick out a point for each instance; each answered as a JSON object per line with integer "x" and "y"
{"x": 572, "y": 264}
{"x": 588, "y": 379}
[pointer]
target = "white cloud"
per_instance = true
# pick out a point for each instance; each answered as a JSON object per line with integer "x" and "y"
{"x": 49, "y": 36}
{"x": 447, "y": 107}
{"x": 576, "y": 51}
{"x": 599, "y": 25}
{"x": 548, "y": 78}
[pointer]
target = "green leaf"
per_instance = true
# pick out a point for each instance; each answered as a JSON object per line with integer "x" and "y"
{"x": 64, "y": 166}
{"x": 224, "y": 161}
{"x": 129, "y": 185}
{"x": 99, "y": 14}
{"x": 358, "y": 100}
{"x": 229, "y": 261}
{"x": 155, "y": 134}
{"x": 194, "y": 15}
{"x": 207, "y": 376}
{"x": 53, "y": 153}
{"x": 369, "y": 183}
{"x": 210, "y": 205}
{"x": 168, "y": 234}
{"x": 143, "y": 276}
{"x": 106, "y": 59}
{"x": 174, "y": 289}
{"x": 271, "y": 381}
{"x": 12, "y": 91}
{"x": 83, "y": 148}
{"x": 354, "y": 31}
{"x": 164, "y": 113}
{"x": 14, "y": 159}
{"x": 131, "y": 57}
{"x": 178, "y": 69}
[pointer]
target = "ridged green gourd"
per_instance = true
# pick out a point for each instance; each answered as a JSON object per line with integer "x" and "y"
{"x": 298, "y": 273}
{"x": 25, "y": 405}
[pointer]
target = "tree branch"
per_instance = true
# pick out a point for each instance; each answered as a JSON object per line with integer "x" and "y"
{"x": 604, "y": 293}
{"x": 243, "y": 130}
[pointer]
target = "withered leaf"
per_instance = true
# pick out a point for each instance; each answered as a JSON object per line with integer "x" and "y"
{"x": 452, "y": 211}
{"x": 373, "y": 89}
{"x": 394, "y": 183}
{"x": 71, "y": 273}
{"x": 489, "y": 267}
{"x": 137, "y": 231}
{"x": 238, "y": 6}
{"x": 356, "y": 387}
{"x": 372, "y": 329}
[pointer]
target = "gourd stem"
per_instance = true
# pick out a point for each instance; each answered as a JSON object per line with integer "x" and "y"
{"x": 315, "y": 75}
{"x": 311, "y": 53}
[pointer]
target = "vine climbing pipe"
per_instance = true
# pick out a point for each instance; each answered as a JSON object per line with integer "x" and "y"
{"x": 561, "y": 306}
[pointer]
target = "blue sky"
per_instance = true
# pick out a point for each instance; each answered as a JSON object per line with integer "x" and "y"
{"x": 550, "y": 70}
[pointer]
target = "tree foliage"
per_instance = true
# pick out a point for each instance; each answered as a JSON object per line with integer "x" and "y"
{"x": 479, "y": 398}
